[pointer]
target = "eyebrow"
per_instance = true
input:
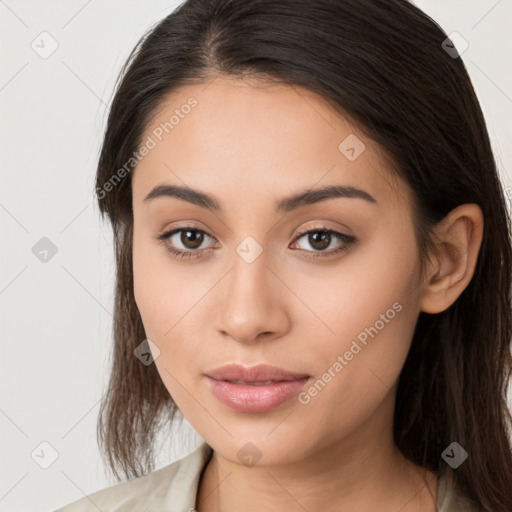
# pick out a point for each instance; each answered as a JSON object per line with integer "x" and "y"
{"x": 286, "y": 204}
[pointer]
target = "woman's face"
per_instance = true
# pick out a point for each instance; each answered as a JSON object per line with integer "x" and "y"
{"x": 254, "y": 289}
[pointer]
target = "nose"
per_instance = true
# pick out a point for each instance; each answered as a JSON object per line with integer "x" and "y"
{"x": 253, "y": 303}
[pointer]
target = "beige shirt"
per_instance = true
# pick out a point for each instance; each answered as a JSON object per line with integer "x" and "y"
{"x": 173, "y": 488}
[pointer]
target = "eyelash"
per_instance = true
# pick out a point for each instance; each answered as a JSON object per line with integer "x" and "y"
{"x": 347, "y": 239}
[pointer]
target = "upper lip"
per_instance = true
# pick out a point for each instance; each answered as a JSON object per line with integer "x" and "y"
{"x": 257, "y": 373}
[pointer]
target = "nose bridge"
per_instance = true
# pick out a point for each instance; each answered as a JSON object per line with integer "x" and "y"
{"x": 248, "y": 286}
{"x": 250, "y": 306}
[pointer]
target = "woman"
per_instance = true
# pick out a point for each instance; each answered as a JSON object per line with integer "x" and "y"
{"x": 313, "y": 265}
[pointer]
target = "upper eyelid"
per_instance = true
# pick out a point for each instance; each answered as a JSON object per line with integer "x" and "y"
{"x": 319, "y": 227}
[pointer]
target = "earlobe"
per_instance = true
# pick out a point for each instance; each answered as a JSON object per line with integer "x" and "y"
{"x": 459, "y": 237}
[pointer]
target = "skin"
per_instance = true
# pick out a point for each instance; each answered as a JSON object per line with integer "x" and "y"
{"x": 250, "y": 145}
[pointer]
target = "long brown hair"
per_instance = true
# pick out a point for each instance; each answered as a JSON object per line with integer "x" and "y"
{"x": 385, "y": 64}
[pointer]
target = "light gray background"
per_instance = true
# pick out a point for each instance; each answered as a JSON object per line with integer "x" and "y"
{"x": 56, "y": 316}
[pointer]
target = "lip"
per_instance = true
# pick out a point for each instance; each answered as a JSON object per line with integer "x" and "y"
{"x": 256, "y": 373}
{"x": 254, "y": 389}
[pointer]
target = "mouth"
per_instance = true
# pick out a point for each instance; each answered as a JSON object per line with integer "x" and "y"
{"x": 261, "y": 373}
{"x": 254, "y": 383}
{"x": 255, "y": 389}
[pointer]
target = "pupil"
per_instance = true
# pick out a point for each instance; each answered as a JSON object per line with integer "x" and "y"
{"x": 320, "y": 242}
{"x": 191, "y": 237}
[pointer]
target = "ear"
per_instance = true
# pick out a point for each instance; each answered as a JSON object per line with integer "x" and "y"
{"x": 458, "y": 239}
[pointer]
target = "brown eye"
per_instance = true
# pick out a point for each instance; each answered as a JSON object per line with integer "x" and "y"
{"x": 191, "y": 238}
{"x": 319, "y": 242}
{"x": 319, "y": 239}
{"x": 184, "y": 242}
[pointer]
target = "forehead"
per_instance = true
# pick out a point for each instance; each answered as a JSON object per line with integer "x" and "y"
{"x": 248, "y": 139}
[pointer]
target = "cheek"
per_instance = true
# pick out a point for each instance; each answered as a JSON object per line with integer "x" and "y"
{"x": 169, "y": 301}
{"x": 159, "y": 293}
{"x": 357, "y": 295}
{"x": 153, "y": 289}
{"x": 357, "y": 378}
{"x": 371, "y": 311}
{"x": 143, "y": 282}
{"x": 159, "y": 298}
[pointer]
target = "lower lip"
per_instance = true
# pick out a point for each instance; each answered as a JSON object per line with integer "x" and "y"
{"x": 250, "y": 398}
